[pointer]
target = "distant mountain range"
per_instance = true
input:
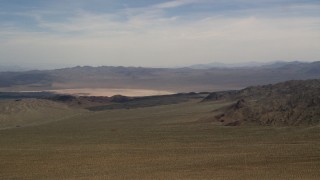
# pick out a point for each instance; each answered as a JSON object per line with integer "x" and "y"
{"x": 17, "y": 67}
{"x": 172, "y": 79}
{"x": 5, "y": 68}
{"x": 243, "y": 65}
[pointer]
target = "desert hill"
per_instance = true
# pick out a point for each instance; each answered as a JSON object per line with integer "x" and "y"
{"x": 287, "y": 103}
{"x": 26, "y": 112}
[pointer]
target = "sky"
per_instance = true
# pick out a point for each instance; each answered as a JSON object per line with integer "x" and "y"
{"x": 157, "y": 33}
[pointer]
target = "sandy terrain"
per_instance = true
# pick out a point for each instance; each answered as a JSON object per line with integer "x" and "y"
{"x": 161, "y": 142}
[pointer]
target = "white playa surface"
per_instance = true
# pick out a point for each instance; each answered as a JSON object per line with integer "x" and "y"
{"x": 110, "y": 92}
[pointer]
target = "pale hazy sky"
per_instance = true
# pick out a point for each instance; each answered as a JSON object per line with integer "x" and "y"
{"x": 158, "y": 33}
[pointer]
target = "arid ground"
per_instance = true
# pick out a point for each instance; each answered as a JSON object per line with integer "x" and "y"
{"x": 162, "y": 142}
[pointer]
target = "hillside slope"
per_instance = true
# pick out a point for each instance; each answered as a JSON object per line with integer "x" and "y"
{"x": 287, "y": 103}
{"x": 26, "y": 112}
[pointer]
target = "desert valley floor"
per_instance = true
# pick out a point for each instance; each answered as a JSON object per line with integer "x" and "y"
{"x": 166, "y": 142}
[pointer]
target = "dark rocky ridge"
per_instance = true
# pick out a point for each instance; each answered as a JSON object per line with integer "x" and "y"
{"x": 100, "y": 103}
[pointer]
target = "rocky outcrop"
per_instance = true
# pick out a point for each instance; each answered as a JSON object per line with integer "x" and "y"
{"x": 288, "y": 103}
